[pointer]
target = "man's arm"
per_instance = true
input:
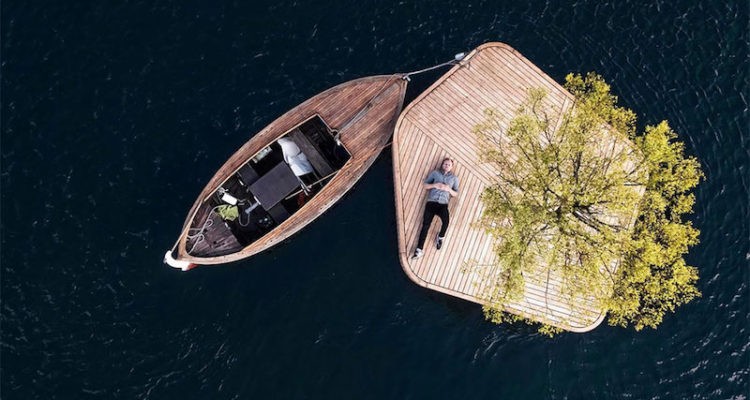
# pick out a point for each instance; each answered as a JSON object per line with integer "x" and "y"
{"x": 453, "y": 193}
{"x": 449, "y": 189}
{"x": 441, "y": 186}
{"x": 429, "y": 182}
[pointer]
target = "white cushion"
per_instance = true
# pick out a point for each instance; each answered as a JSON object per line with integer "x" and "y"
{"x": 295, "y": 157}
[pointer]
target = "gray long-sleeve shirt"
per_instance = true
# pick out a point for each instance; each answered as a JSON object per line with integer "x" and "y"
{"x": 437, "y": 195}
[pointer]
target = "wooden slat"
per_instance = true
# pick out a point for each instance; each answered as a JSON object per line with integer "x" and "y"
{"x": 311, "y": 152}
{"x": 472, "y": 247}
{"x": 417, "y": 194}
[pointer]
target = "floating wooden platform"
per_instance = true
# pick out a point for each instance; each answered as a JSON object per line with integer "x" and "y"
{"x": 439, "y": 124}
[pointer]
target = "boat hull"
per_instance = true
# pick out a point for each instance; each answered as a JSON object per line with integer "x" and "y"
{"x": 363, "y": 112}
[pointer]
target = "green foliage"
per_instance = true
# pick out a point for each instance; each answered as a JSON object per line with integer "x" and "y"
{"x": 549, "y": 330}
{"x": 655, "y": 279}
{"x": 569, "y": 186}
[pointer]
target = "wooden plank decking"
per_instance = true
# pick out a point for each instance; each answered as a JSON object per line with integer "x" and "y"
{"x": 439, "y": 124}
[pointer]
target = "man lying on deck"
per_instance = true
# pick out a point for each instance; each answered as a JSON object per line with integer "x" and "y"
{"x": 442, "y": 185}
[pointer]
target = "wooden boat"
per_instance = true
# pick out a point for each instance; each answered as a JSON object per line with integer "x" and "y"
{"x": 290, "y": 172}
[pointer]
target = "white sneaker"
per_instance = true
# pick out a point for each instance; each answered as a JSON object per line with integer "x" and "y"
{"x": 439, "y": 242}
{"x": 418, "y": 253}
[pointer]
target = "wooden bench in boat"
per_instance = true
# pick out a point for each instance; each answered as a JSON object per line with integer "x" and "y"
{"x": 311, "y": 151}
{"x": 279, "y": 213}
{"x": 247, "y": 175}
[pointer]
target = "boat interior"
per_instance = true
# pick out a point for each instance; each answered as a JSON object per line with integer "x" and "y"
{"x": 267, "y": 189}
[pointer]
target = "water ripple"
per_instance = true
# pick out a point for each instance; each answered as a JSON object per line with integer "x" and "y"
{"x": 114, "y": 116}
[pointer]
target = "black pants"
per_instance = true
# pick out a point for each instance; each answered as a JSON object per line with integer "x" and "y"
{"x": 431, "y": 209}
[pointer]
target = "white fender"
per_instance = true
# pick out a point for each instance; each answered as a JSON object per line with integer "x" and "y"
{"x": 169, "y": 260}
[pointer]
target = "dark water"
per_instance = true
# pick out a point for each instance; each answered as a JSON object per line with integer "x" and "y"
{"x": 114, "y": 116}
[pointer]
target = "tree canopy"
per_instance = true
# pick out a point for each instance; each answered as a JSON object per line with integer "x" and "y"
{"x": 583, "y": 195}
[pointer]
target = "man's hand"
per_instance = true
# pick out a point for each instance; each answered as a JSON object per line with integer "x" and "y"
{"x": 441, "y": 186}
{"x": 447, "y": 188}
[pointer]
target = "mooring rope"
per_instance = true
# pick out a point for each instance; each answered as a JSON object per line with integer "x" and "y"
{"x": 199, "y": 237}
{"x": 456, "y": 59}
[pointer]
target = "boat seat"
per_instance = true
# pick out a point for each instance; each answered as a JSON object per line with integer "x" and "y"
{"x": 279, "y": 213}
{"x": 247, "y": 175}
{"x": 317, "y": 160}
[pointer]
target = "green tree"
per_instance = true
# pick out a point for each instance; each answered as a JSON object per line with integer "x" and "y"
{"x": 592, "y": 202}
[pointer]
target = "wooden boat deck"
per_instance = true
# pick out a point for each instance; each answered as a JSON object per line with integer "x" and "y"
{"x": 439, "y": 124}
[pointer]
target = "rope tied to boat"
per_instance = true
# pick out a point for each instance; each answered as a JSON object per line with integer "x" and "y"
{"x": 456, "y": 59}
{"x": 198, "y": 236}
